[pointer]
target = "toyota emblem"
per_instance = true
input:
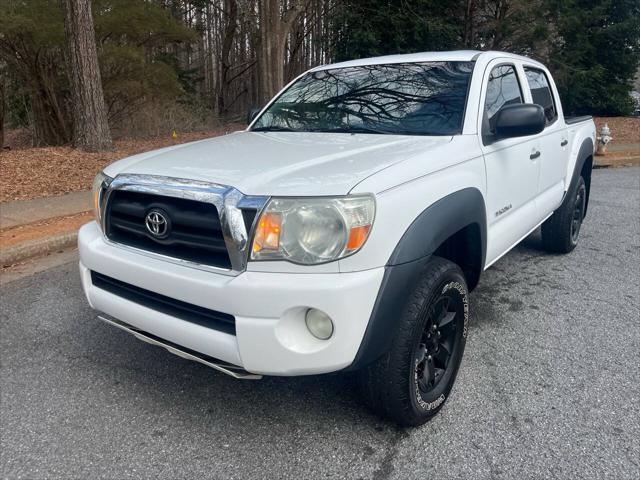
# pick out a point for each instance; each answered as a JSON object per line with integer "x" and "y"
{"x": 157, "y": 223}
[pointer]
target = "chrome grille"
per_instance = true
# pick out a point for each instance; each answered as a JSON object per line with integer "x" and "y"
{"x": 195, "y": 233}
{"x": 209, "y": 224}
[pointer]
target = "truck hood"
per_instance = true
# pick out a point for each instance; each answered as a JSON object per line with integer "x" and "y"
{"x": 280, "y": 163}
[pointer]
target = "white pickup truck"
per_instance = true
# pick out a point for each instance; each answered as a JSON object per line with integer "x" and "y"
{"x": 344, "y": 228}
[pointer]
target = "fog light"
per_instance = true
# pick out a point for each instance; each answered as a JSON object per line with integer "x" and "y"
{"x": 319, "y": 324}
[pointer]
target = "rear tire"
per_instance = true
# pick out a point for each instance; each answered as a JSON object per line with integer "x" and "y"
{"x": 411, "y": 382}
{"x": 560, "y": 232}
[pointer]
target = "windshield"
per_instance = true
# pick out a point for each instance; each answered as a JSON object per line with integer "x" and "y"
{"x": 401, "y": 99}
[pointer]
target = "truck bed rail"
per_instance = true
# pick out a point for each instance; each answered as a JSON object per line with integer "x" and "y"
{"x": 573, "y": 120}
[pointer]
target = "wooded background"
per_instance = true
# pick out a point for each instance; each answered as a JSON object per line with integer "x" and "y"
{"x": 186, "y": 65}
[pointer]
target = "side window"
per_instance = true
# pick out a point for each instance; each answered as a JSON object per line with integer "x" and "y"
{"x": 503, "y": 89}
{"x": 541, "y": 92}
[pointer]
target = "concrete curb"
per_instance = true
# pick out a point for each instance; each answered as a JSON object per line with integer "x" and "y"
{"x": 35, "y": 248}
{"x": 24, "y": 212}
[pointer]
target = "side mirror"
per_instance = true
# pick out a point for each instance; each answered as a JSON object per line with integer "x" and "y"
{"x": 252, "y": 114}
{"x": 519, "y": 120}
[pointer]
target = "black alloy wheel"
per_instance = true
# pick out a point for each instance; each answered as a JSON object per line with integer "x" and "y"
{"x": 578, "y": 213}
{"x": 438, "y": 342}
{"x": 560, "y": 232}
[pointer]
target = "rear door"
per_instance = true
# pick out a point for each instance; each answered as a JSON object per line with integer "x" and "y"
{"x": 512, "y": 164}
{"x": 554, "y": 144}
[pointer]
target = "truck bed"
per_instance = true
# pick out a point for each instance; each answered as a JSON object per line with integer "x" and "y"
{"x": 573, "y": 120}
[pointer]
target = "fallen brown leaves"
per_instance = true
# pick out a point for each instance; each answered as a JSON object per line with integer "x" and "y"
{"x": 42, "y": 172}
{"x": 624, "y": 150}
{"x": 623, "y": 129}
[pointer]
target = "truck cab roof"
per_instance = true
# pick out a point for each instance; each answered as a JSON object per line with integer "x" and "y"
{"x": 446, "y": 56}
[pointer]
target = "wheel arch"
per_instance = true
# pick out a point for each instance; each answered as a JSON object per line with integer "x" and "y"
{"x": 583, "y": 167}
{"x": 460, "y": 220}
{"x": 454, "y": 227}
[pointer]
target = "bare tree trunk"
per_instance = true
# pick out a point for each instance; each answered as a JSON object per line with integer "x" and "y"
{"x": 2, "y": 110}
{"x": 502, "y": 9}
{"x": 469, "y": 24}
{"x": 231, "y": 11}
{"x": 90, "y": 128}
{"x": 275, "y": 27}
{"x": 210, "y": 83}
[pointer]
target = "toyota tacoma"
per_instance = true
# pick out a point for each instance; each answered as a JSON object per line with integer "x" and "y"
{"x": 345, "y": 227}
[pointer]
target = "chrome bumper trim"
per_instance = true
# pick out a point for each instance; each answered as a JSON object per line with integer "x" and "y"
{"x": 232, "y": 370}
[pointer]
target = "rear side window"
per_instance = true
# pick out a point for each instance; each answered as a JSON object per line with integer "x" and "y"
{"x": 503, "y": 89}
{"x": 541, "y": 92}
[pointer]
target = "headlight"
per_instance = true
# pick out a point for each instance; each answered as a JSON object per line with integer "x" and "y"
{"x": 313, "y": 230}
{"x": 100, "y": 184}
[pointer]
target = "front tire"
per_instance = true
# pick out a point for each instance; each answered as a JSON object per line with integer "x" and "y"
{"x": 411, "y": 382}
{"x": 561, "y": 231}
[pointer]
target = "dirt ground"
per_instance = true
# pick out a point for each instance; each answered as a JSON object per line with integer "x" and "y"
{"x": 24, "y": 233}
{"x": 41, "y": 172}
{"x": 623, "y": 129}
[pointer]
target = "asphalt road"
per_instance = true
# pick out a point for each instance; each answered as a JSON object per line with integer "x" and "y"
{"x": 549, "y": 386}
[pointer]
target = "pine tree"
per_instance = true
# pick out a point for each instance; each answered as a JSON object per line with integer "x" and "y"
{"x": 595, "y": 54}
{"x": 90, "y": 127}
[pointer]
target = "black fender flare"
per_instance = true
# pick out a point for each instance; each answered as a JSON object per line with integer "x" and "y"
{"x": 438, "y": 222}
{"x": 585, "y": 152}
{"x": 428, "y": 231}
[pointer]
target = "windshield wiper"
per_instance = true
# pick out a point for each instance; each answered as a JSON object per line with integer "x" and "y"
{"x": 359, "y": 129}
{"x": 273, "y": 129}
{"x": 383, "y": 132}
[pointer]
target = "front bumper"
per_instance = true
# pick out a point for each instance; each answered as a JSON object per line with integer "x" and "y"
{"x": 271, "y": 335}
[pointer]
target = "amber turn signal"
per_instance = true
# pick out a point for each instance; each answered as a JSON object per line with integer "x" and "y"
{"x": 357, "y": 237}
{"x": 268, "y": 232}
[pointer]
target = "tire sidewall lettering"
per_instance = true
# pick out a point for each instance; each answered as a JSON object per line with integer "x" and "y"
{"x": 425, "y": 405}
{"x": 462, "y": 291}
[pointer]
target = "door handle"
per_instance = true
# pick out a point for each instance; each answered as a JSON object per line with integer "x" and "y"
{"x": 564, "y": 142}
{"x": 534, "y": 155}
